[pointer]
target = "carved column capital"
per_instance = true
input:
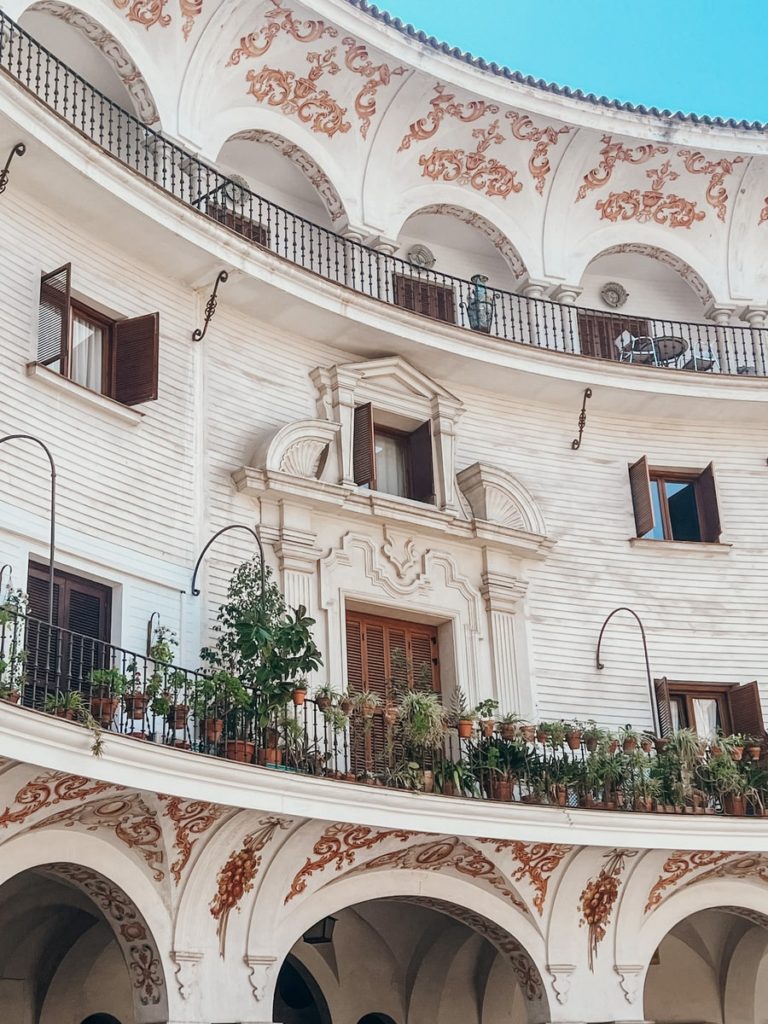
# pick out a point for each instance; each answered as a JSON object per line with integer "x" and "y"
{"x": 565, "y": 294}
{"x": 720, "y": 312}
{"x": 755, "y": 316}
{"x": 502, "y": 593}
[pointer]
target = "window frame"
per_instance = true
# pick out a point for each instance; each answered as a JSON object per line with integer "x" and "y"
{"x": 402, "y": 436}
{"x": 642, "y": 476}
{"x": 739, "y": 704}
{"x": 81, "y": 310}
{"x": 364, "y": 432}
{"x": 686, "y": 693}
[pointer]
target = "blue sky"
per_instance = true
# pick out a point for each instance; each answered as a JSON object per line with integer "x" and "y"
{"x": 692, "y": 55}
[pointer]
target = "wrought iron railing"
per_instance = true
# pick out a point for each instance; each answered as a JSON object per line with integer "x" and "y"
{"x": 113, "y": 691}
{"x": 648, "y": 341}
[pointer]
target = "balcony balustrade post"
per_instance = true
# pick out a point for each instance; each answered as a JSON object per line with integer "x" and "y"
{"x": 757, "y": 318}
{"x": 721, "y": 315}
{"x": 533, "y": 328}
{"x": 566, "y": 295}
{"x": 351, "y": 274}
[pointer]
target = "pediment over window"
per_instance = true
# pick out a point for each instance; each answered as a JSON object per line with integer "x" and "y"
{"x": 299, "y": 448}
{"x": 498, "y": 497}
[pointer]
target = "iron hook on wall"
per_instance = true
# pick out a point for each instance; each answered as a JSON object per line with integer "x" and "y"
{"x": 232, "y": 526}
{"x": 18, "y": 150}
{"x": 576, "y": 442}
{"x": 52, "y": 542}
{"x": 601, "y": 666}
{"x": 210, "y": 306}
{"x": 9, "y": 567}
{"x": 150, "y": 630}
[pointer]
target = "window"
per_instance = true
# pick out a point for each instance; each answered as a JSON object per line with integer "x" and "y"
{"x": 393, "y": 461}
{"x": 80, "y": 606}
{"x": 707, "y": 707}
{"x": 598, "y": 332}
{"x": 674, "y": 504}
{"x": 238, "y": 222}
{"x": 427, "y": 297}
{"x": 384, "y": 655}
{"x": 118, "y": 358}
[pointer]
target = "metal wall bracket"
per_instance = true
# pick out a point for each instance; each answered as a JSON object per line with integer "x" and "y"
{"x": 576, "y": 442}
{"x": 18, "y": 150}
{"x": 210, "y": 306}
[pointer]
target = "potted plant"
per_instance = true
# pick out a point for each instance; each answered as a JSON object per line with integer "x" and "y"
{"x": 366, "y": 703}
{"x": 299, "y": 693}
{"x": 422, "y": 722}
{"x": 755, "y": 747}
{"x": 528, "y": 732}
{"x": 573, "y": 735}
{"x": 216, "y": 696}
{"x": 734, "y": 745}
{"x": 135, "y": 698}
{"x": 455, "y": 778}
{"x": 508, "y": 726}
{"x": 630, "y": 739}
{"x": 593, "y": 736}
{"x": 346, "y": 703}
{"x": 485, "y": 711}
{"x": 390, "y": 714}
{"x": 67, "y": 705}
{"x": 459, "y": 715}
{"x": 108, "y": 687}
{"x": 325, "y": 696}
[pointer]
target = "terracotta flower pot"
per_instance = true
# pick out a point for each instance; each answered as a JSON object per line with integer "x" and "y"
{"x": 591, "y": 744}
{"x": 299, "y": 696}
{"x": 465, "y": 729}
{"x": 646, "y": 746}
{"x": 135, "y": 706}
{"x": 66, "y": 713}
{"x": 629, "y": 746}
{"x": 737, "y": 753}
{"x": 501, "y": 789}
{"x": 390, "y": 714}
{"x": 448, "y": 788}
{"x": 346, "y": 706}
{"x": 323, "y": 703}
{"x": 661, "y": 743}
{"x": 573, "y": 739}
{"x": 104, "y": 709}
{"x": 428, "y": 779}
{"x": 367, "y": 710}
{"x": 541, "y": 736}
{"x": 715, "y": 750}
{"x": 487, "y": 726}
{"x": 735, "y": 805}
{"x": 212, "y": 729}
{"x": 562, "y": 796}
{"x": 239, "y": 750}
{"x": 177, "y": 716}
{"x": 755, "y": 752}
{"x": 613, "y": 746}
{"x": 508, "y": 731}
{"x": 13, "y": 696}
{"x": 529, "y": 733}
{"x": 269, "y": 755}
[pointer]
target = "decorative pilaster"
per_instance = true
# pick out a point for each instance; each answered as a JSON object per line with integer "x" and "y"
{"x": 503, "y": 595}
{"x": 444, "y": 417}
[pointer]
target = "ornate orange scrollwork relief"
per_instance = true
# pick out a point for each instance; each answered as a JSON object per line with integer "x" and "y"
{"x": 190, "y": 818}
{"x": 525, "y": 130}
{"x": 611, "y": 154}
{"x": 237, "y": 876}
{"x": 651, "y": 204}
{"x": 47, "y": 790}
{"x": 145, "y": 12}
{"x": 481, "y": 172}
{"x": 377, "y": 75}
{"x": 279, "y": 19}
{"x": 443, "y": 104}
{"x": 535, "y": 861}
{"x": 599, "y": 896}
{"x": 764, "y": 212}
{"x": 301, "y": 96}
{"x": 716, "y": 194}
{"x": 677, "y": 867}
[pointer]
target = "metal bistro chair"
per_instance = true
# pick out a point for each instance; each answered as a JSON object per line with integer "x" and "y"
{"x": 704, "y": 361}
{"x": 635, "y": 350}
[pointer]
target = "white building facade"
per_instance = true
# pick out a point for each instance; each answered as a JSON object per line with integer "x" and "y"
{"x": 477, "y": 362}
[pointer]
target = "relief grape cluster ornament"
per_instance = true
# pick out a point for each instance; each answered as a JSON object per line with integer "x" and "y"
{"x": 599, "y": 897}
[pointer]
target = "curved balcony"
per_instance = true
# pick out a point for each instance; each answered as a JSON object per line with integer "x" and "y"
{"x": 647, "y": 341}
{"x": 112, "y": 691}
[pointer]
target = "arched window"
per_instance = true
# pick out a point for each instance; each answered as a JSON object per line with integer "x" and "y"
{"x": 376, "y": 1018}
{"x": 101, "y": 1018}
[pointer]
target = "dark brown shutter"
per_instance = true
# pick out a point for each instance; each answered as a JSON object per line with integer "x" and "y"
{"x": 424, "y": 660}
{"x": 363, "y": 451}
{"x": 598, "y": 332}
{"x": 354, "y": 656}
{"x": 136, "y": 359}
{"x": 421, "y": 463}
{"x": 746, "y": 712}
{"x": 663, "y": 706}
{"x": 53, "y": 324}
{"x": 640, "y": 485}
{"x": 425, "y": 297}
{"x": 706, "y": 496}
{"x": 245, "y": 226}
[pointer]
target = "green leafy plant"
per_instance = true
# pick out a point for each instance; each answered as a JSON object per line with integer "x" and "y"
{"x": 486, "y": 709}
{"x": 422, "y": 720}
{"x": 109, "y": 682}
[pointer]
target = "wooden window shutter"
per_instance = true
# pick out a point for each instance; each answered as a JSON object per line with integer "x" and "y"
{"x": 421, "y": 463}
{"x": 663, "y": 706}
{"x": 37, "y": 593}
{"x": 363, "y": 451}
{"x": 640, "y": 486}
{"x": 709, "y": 514}
{"x": 53, "y": 329}
{"x": 354, "y": 655}
{"x": 136, "y": 359}
{"x": 424, "y": 658}
{"x": 426, "y": 297}
{"x": 746, "y": 711}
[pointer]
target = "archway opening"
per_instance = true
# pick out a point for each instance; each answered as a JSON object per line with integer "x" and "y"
{"x": 411, "y": 958}
{"x": 73, "y": 948}
{"x": 723, "y": 956}
{"x": 84, "y": 45}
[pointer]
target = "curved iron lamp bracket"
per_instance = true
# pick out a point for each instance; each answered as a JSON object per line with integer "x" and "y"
{"x": 210, "y": 306}
{"x": 9, "y": 567}
{"x": 232, "y": 526}
{"x": 599, "y": 664}
{"x": 52, "y": 542}
{"x": 18, "y": 150}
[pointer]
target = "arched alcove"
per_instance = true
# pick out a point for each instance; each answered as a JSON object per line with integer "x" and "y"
{"x": 73, "y": 946}
{"x": 85, "y": 45}
{"x": 298, "y": 997}
{"x": 722, "y": 953}
{"x": 463, "y": 243}
{"x": 389, "y": 959}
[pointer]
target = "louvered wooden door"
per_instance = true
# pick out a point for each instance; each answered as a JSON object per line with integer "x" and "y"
{"x": 386, "y": 656}
{"x": 58, "y": 660}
